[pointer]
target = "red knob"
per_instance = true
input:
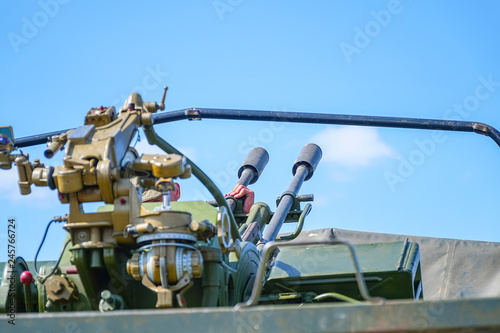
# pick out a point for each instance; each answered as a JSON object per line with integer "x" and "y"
{"x": 26, "y": 277}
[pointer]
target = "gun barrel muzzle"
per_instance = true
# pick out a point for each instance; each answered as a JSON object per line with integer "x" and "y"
{"x": 56, "y": 144}
{"x": 252, "y": 167}
{"x": 310, "y": 155}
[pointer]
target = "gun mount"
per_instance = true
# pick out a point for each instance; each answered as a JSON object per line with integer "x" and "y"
{"x": 136, "y": 254}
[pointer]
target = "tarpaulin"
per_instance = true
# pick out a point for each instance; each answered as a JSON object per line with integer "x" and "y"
{"x": 451, "y": 268}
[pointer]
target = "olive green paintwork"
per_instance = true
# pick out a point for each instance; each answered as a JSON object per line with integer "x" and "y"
{"x": 301, "y": 274}
{"x": 391, "y": 270}
{"x": 154, "y": 139}
{"x": 199, "y": 210}
{"x": 462, "y": 315}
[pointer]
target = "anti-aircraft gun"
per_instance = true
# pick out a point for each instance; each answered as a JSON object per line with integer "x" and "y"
{"x": 132, "y": 254}
{"x": 184, "y": 253}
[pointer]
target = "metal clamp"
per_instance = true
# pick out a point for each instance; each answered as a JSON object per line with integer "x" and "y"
{"x": 300, "y": 225}
{"x": 192, "y": 114}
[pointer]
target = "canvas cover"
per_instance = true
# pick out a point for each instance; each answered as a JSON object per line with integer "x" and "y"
{"x": 451, "y": 268}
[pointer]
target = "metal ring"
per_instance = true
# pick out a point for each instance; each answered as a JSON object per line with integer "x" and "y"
{"x": 165, "y": 235}
{"x": 224, "y": 229}
{"x": 147, "y": 246}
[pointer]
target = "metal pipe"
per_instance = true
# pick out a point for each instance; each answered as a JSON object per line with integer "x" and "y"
{"x": 246, "y": 176}
{"x": 38, "y": 139}
{"x": 273, "y": 228}
{"x": 302, "y": 170}
{"x": 300, "y": 117}
{"x": 300, "y": 225}
{"x": 251, "y": 169}
{"x": 210, "y": 284}
{"x": 333, "y": 119}
{"x": 244, "y": 180}
{"x": 28, "y": 301}
{"x": 271, "y": 246}
{"x": 153, "y": 138}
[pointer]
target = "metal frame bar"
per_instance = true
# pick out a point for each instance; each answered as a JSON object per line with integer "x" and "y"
{"x": 458, "y": 315}
{"x": 300, "y": 225}
{"x": 269, "y": 248}
{"x": 301, "y": 117}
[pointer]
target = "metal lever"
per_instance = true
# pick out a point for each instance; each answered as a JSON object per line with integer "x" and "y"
{"x": 162, "y": 103}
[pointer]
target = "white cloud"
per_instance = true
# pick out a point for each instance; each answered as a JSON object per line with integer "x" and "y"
{"x": 352, "y": 146}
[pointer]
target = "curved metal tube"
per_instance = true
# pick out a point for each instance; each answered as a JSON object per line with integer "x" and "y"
{"x": 300, "y": 117}
{"x": 271, "y": 246}
{"x": 338, "y": 296}
{"x": 300, "y": 225}
{"x": 153, "y": 138}
{"x": 333, "y": 119}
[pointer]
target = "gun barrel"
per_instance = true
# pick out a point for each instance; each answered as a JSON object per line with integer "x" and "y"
{"x": 251, "y": 169}
{"x": 253, "y": 166}
{"x": 246, "y": 176}
{"x": 58, "y": 141}
{"x": 52, "y": 149}
{"x": 302, "y": 170}
{"x": 309, "y": 156}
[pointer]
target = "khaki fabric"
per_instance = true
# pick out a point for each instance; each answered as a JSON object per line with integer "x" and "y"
{"x": 451, "y": 268}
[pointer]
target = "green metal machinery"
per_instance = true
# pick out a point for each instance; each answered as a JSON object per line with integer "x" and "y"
{"x": 213, "y": 266}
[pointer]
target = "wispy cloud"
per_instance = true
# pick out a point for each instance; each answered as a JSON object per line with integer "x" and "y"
{"x": 352, "y": 146}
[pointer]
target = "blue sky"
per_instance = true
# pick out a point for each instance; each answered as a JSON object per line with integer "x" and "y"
{"x": 393, "y": 58}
